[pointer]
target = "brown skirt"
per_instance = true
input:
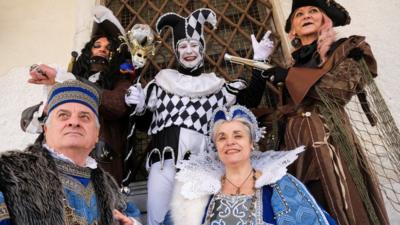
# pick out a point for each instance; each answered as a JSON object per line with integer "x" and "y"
{"x": 322, "y": 169}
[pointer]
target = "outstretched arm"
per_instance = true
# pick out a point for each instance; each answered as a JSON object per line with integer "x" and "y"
{"x": 251, "y": 95}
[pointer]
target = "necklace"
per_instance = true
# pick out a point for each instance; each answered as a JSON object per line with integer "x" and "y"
{"x": 224, "y": 178}
{"x": 252, "y": 208}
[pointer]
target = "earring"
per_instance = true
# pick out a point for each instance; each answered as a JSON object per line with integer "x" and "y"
{"x": 296, "y": 42}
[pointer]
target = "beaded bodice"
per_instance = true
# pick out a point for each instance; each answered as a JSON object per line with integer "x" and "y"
{"x": 235, "y": 209}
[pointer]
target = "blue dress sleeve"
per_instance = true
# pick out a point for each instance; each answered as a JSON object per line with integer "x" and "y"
{"x": 4, "y": 215}
{"x": 268, "y": 214}
{"x": 329, "y": 218}
{"x": 299, "y": 200}
{"x": 131, "y": 211}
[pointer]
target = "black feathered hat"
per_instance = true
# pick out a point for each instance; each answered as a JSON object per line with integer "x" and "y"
{"x": 106, "y": 24}
{"x": 333, "y": 10}
{"x": 190, "y": 27}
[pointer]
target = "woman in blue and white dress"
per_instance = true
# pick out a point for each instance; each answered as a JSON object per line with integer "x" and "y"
{"x": 237, "y": 184}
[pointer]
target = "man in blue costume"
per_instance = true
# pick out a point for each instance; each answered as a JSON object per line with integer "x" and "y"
{"x": 58, "y": 182}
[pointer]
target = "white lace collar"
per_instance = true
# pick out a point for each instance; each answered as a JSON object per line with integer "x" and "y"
{"x": 90, "y": 162}
{"x": 184, "y": 85}
{"x": 201, "y": 175}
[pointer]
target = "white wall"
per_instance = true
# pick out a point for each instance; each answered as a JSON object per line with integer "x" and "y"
{"x": 34, "y": 31}
{"x": 40, "y": 31}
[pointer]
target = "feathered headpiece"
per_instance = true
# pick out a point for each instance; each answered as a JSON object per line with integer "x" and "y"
{"x": 105, "y": 23}
{"x": 190, "y": 27}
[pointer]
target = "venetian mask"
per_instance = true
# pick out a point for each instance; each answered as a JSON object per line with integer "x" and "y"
{"x": 140, "y": 42}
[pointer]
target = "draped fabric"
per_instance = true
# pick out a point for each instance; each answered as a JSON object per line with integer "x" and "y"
{"x": 335, "y": 166}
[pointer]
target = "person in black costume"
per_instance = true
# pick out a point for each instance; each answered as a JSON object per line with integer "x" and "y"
{"x": 100, "y": 66}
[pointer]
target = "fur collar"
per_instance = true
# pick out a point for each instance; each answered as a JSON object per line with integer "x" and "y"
{"x": 34, "y": 171}
{"x": 185, "y": 85}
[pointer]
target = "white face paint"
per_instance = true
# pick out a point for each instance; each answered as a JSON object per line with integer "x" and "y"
{"x": 189, "y": 53}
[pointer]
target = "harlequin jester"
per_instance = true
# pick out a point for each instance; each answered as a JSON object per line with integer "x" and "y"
{"x": 182, "y": 102}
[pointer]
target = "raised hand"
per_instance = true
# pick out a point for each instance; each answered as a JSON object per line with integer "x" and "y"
{"x": 263, "y": 49}
{"x": 42, "y": 74}
{"x": 135, "y": 96}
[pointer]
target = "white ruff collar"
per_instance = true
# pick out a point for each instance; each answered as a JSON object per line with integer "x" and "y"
{"x": 89, "y": 163}
{"x": 201, "y": 175}
{"x": 185, "y": 85}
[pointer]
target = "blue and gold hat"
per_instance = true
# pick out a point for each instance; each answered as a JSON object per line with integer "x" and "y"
{"x": 237, "y": 112}
{"x": 73, "y": 91}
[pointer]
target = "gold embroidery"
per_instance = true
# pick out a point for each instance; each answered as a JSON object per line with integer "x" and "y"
{"x": 71, "y": 169}
{"x": 4, "y": 212}
{"x": 74, "y": 185}
{"x": 70, "y": 183}
{"x": 70, "y": 217}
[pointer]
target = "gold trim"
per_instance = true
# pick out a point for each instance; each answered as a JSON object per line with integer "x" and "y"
{"x": 71, "y": 218}
{"x": 71, "y": 169}
{"x": 74, "y": 185}
{"x": 4, "y": 212}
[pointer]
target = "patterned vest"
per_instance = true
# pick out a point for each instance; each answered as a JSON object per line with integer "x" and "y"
{"x": 189, "y": 112}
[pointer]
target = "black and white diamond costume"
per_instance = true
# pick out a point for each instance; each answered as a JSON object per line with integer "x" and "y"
{"x": 182, "y": 102}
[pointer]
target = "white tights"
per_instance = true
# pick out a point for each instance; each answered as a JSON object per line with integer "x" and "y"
{"x": 160, "y": 186}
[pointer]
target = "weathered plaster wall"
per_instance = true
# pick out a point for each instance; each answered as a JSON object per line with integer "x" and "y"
{"x": 40, "y": 31}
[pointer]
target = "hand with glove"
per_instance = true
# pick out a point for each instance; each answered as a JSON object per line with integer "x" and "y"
{"x": 135, "y": 96}
{"x": 276, "y": 74}
{"x": 263, "y": 49}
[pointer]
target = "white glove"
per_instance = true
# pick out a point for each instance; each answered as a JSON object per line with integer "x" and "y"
{"x": 263, "y": 49}
{"x": 135, "y": 96}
